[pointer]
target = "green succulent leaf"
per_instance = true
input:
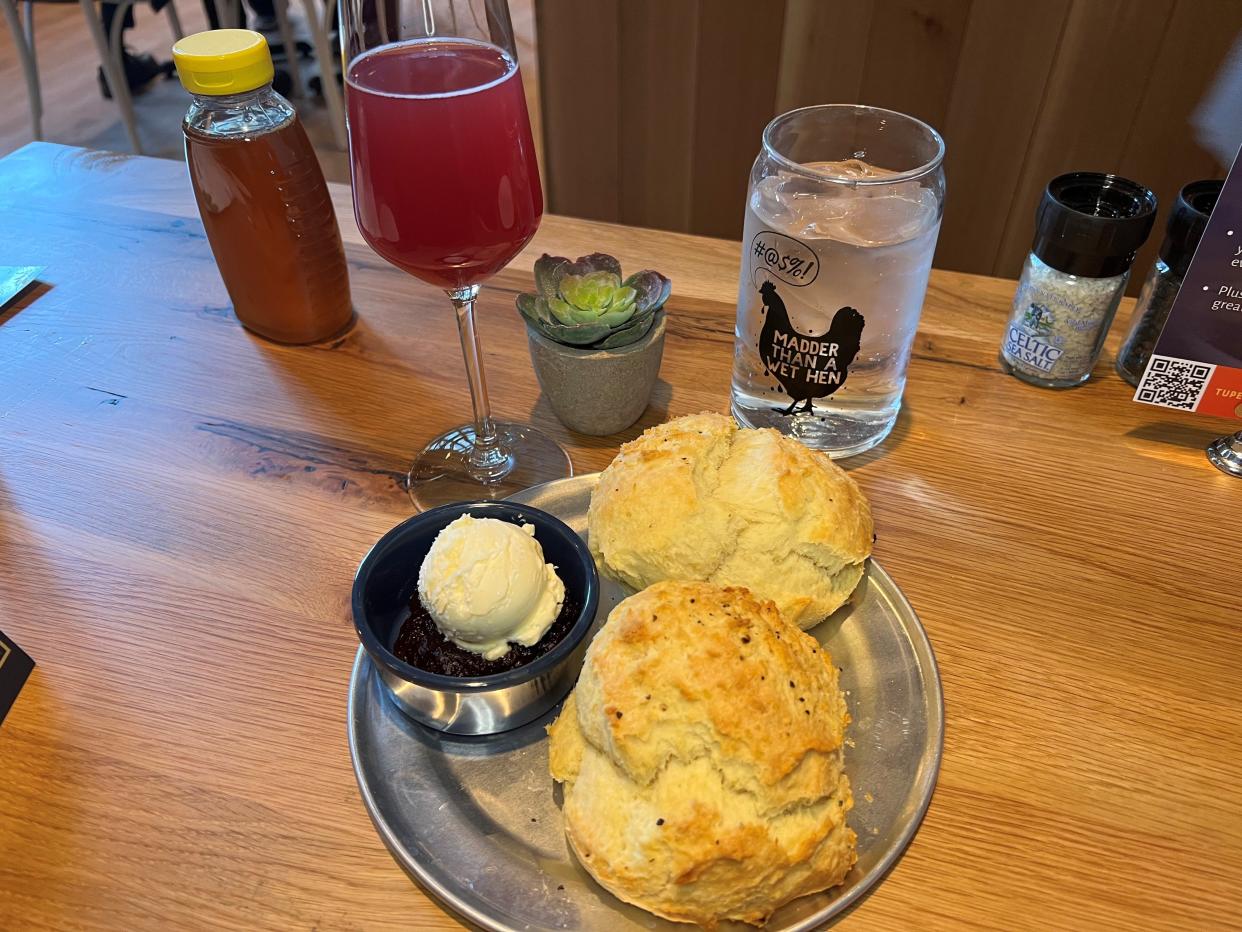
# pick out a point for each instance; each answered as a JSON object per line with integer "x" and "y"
{"x": 622, "y": 297}
{"x": 593, "y": 291}
{"x": 585, "y": 302}
{"x": 548, "y": 272}
{"x": 544, "y": 312}
{"x": 595, "y": 262}
{"x": 528, "y": 306}
{"x": 618, "y": 314}
{"x": 629, "y": 334}
{"x": 651, "y": 287}
{"x": 562, "y": 312}
{"x": 586, "y": 316}
{"x": 640, "y": 316}
{"x": 580, "y": 335}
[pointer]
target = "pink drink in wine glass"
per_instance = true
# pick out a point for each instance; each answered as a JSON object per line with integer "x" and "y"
{"x": 446, "y": 188}
{"x": 446, "y": 184}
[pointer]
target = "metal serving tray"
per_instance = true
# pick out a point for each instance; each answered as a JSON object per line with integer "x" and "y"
{"x": 477, "y": 821}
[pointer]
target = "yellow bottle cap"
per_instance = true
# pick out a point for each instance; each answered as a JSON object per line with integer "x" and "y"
{"x": 223, "y": 61}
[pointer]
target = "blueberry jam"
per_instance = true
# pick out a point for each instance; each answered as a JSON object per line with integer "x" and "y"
{"x": 420, "y": 644}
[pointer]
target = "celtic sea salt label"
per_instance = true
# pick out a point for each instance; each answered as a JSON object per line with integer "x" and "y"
{"x": 1087, "y": 229}
{"x": 1058, "y": 321}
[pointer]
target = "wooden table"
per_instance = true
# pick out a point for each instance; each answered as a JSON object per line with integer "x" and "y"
{"x": 182, "y": 507}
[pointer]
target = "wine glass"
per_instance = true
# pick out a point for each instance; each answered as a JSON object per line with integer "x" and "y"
{"x": 446, "y": 187}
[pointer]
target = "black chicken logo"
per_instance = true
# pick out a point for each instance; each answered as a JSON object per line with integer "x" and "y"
{"x": 807, "y": 367}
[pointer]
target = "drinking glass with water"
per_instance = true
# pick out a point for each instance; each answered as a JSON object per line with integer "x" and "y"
{"x": 842, "y": 216}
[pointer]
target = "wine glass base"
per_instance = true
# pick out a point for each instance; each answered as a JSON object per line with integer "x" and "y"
{"x": 440, "y": 475}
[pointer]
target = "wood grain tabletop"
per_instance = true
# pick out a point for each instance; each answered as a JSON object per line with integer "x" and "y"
{"x": 182, "y": 507}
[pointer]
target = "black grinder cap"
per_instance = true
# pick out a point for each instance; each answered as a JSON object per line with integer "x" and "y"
{"x": 1187, "y": 223}
{"x": 1092, "y": 224}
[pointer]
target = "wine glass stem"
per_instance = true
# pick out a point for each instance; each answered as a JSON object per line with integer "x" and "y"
{"x": 489, "y": 461}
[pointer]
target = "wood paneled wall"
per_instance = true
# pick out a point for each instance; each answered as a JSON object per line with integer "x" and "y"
{"x": 653, "y": 108}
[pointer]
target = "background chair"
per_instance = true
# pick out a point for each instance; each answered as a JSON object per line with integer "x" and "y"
{"x": 20, "y": 17}
{"x": 231, "y": 16}
{"x": 319, "y": 19}
{"x": 22, "y": 27}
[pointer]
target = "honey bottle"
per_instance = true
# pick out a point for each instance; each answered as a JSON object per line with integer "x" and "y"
{"x": 260, "y": 191}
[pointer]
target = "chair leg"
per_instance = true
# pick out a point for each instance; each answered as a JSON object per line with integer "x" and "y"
{"x": 174, "y": 21}
{"x": 291, "y": 46}
{"x": 327, "y": 74}
{"x": 23, "y": 41}
{"x": 114, "y": 74}
{"x": 114, "y": 40}
{"x": 36, "y": 95}
{"x": 381, "y": 13}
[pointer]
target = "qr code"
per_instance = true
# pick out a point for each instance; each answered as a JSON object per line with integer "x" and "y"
{"x": 1174, "y": 383}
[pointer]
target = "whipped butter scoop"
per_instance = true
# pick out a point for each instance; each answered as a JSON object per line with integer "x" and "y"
{"x": 485, "y": 584}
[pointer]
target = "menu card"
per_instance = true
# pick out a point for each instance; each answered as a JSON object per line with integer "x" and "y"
{"x": 15, "y": 666}
{"x": 1197, "y": 361}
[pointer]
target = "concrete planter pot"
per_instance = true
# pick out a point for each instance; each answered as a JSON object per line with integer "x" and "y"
{"x": 598, "y": 392}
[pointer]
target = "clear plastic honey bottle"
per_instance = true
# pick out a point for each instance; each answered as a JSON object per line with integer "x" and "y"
{"x": 260, "y": 191}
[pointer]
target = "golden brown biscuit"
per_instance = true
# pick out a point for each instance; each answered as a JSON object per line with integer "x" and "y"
{"x": 701, "y": 754}
{"x": 696, "y": 498}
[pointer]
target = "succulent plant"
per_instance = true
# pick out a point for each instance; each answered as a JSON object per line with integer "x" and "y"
{"x": 586, "y": 304}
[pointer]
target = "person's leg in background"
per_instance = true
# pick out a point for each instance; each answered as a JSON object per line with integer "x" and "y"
{"x": 265, "y": 23}
{"x": 219, "y": 10}
{"x": 265, "y": 19}
{"x": 140, "y": 68}
{"x": 264, "y": 16}
{"x": 213, "y": 14}
{"x": 380, "y": 28}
